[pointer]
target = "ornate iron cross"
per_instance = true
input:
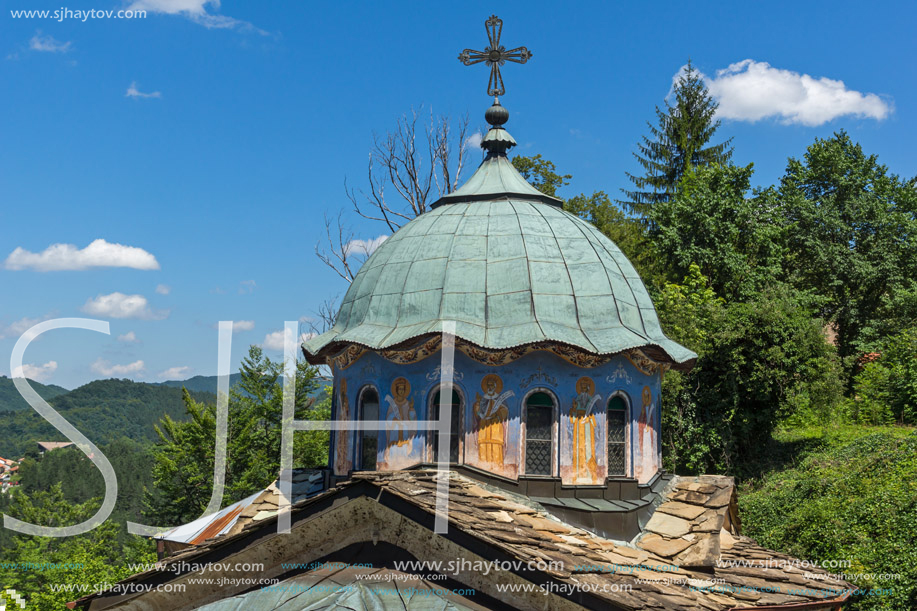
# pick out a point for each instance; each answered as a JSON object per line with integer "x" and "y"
{"x": 495, "y": 55}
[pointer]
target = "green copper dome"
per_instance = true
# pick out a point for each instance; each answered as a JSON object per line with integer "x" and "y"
{"x": 510, "y": 267}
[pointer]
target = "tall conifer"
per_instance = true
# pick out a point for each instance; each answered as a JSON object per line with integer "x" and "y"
{"x": 676, "y": 143}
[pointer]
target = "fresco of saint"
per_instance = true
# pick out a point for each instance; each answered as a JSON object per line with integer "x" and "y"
{"x": 342, "y": 460}
{"x": 582, "y": 418}
{"x": 400, "y": 410}
{"x": 646, "y": 438}
{"x": 490, "y": 416}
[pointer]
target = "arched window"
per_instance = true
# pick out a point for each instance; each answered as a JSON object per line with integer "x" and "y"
{"x": 454, "y": 427}
{"x": 369, "y": 440}
{"x": 539, "y": 434}
{"x": 617, "y": 436}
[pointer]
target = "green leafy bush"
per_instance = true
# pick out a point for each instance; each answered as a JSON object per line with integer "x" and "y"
{"x": 886, "y": 389}
{"x": 851, "y": 498}
{"x": 759, "y": 361}
{"x": 100, "y": 556}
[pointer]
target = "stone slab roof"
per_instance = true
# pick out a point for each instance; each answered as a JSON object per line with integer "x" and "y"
{"x": 697, "y": 562}
{"x": 686, "y": 528}
{"x": 233, "y": 518}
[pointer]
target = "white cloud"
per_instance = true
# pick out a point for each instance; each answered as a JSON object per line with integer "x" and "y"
{"x": 119, "y": 305}
{"x": 67, "y": 257}
{"x": 275, "y": 340}
{"x": 175, "y": 373}
{"x": 196, "y": 11}
{"x": 239, "y": 325}
{"x": 47, "y": 43}
{"x": 162, "y": 289}
{"x": 129, "y": 338}
{"x": 39, "y": 373}
{"x": 106, "y": 369}
{"x": 17, "y": 328}
{"x": 364, "y": 247}
{"x": 247, "y": 287}
{"x": 133, "y": 92}
{"x": 474, "y": 140}
{"x": 750, "y": 91}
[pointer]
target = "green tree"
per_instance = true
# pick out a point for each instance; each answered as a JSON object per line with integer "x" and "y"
{"x": 80, "y": 480}
{"x": 852, "y": 237}
{"x": 758, "y": 361}
{"x": 96, "y": 557}
{"x": 764, "y": 355}
{"x": 679, "y": 141}
{"x": 541, "y": 174}
{"x": 689, "y": 312}
{"x": 184, "y": 456}
{"x": 735, "y": 239}
{"x": 886, "y": 389}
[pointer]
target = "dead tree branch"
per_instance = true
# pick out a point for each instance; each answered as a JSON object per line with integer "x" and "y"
{"x": 409, "y": 168}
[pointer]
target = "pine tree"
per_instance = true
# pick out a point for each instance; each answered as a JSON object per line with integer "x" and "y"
{"x": 184, "y": 457}
{"x": 676, "y": 144}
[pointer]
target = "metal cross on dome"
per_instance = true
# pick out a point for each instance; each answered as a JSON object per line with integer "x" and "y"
{"x": 495, "y": 55}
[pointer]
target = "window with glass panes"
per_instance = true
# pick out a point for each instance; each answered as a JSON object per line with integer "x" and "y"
{"x": 539, "y": 418}
{"x": 369, "y": 440}
{"x": 617, "y": 436}
{"x": 453, "y": 427}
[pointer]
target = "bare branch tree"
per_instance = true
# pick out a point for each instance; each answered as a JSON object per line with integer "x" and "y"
{"x": 325, "y": 315}
{"x": 418, "y": 172}
{"x": 340, "y": 244}
{"x": 409, "y": 168}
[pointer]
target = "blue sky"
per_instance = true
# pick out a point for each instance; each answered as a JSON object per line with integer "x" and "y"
{"x": 208, "y": 140}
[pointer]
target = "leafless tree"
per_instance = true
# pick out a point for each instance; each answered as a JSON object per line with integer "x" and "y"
{"x": 325, "y": 316}
{"x": 337, "y": 256}
{"x": 409, "y": 168}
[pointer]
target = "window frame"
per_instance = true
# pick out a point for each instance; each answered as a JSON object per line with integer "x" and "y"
{"x": 428, "y": 446}
{"x": 523, "y": 424}
{"x": 628, "y": 446}
{"x": 358, "y": 447}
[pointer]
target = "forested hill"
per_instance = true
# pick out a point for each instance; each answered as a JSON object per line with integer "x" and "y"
{"x": 104, "y": 410}
{"x": 202, "y": 383}
{"x": 11, "y": 400}
{"x": 209, "y": 383}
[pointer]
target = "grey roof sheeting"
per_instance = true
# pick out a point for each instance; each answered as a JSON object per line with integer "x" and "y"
{"x": 510, "y": 267}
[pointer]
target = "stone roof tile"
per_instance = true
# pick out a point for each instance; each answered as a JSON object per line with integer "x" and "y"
{"x": 744, "y": 577}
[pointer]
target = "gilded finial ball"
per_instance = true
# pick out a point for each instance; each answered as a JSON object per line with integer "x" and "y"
{"x": 496, "y": 115}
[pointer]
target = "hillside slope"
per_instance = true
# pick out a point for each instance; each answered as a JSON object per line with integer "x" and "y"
{"x": 209, "y": 383}
{"x": 12, "y": 401}
{"x": 850, "y": 496}
{"x": 202, "y": 383}
{"x": 103, "y": 410}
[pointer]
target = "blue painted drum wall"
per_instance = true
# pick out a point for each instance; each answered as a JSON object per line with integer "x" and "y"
{"x": 493, "y": 414}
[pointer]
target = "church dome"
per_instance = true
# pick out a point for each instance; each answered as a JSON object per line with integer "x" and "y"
{"x": 510, "y": 267}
